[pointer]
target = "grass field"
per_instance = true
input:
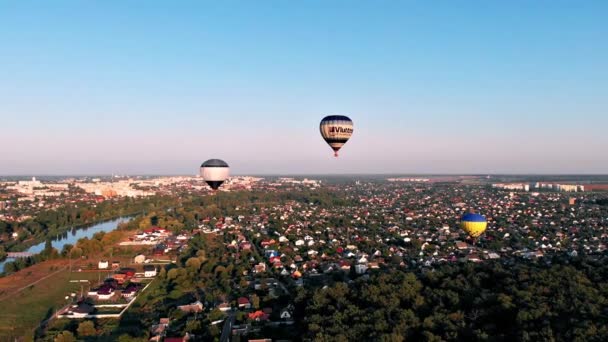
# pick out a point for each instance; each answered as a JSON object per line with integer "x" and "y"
{"x": 23, "y": 312}
{"x": 25, "y": 306}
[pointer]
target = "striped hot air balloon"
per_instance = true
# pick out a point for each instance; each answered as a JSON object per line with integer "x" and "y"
{"x": 336, "y": 130}
{"x": 215, "y": 172}
{"x": 473, "y": 224}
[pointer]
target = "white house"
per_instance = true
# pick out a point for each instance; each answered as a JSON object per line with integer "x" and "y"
{"x": 360, "y": 268}
{"x": 139, "y": 259}
{"x": 149, "y": 271}
{"x": 285, "y": 314}
{"x": 103, "y": 264}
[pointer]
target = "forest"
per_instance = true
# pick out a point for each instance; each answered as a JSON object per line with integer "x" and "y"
{"x": 561, "y": 300}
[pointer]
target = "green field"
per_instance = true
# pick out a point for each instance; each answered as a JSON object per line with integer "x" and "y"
{"x": 23, "y": 312}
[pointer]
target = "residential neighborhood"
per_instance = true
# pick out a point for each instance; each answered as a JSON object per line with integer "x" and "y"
{"x": 234, "y": 265}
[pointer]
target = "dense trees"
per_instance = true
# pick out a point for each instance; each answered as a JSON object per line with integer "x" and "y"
{"x": 65, "y": 336}
{"x": 526, "y": 302}
{"x": 86, "y": 328}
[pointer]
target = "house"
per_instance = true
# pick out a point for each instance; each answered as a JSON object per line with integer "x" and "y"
{"x": 176, "y": 339}
{"x": 129, "y": 272}
{"x": 286, "y": 313}
{"x": 82, "y": 310}
{"x": 260, "y": 268}
{"x": 140, "y": 259}
{"x": 159, "y": 329}
{"x": 149, "y": 271}
{"x": 473, "y": 258}
{"x": 244, "y": 303}
{"x": 120, "y": 278}
{"x": 130, "y": 291}
{"x": 461, "y": 245}
{"x": 105, "y": 292}
{"x": 258, "y": 315}
{"x": 103, "y": 264}
{"x": 360, "y": 268}
{"x": 493, "y": 255}
{"x": 195, "y": 307}
{"x": 267, "y": 243}
{"x": 270, "y": 253}
{"x": 344, "y": 265}
{"x": 224, "y": 307}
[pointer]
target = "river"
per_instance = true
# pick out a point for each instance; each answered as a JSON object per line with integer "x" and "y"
{"x": 72, "y": 236}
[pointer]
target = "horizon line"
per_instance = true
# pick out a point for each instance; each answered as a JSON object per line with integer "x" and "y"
{"x": 304, "y": 174}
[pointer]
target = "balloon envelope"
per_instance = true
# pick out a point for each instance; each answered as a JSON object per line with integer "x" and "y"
{"x": 215, "y": 172}
{"x": 336, "y": 130}
{"x": 473, "y": 224}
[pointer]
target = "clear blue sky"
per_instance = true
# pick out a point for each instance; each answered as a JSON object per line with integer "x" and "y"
{"x": 432, "y": 86}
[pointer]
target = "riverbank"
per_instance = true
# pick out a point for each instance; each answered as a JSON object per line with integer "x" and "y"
{"x": 53, "y": 235}
{"x": 69, "y": 238}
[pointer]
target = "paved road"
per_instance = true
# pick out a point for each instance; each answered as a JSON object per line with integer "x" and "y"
{"x": 228, "y": 323}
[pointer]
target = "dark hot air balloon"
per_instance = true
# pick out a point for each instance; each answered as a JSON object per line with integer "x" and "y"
{"x": 336, "y": 130}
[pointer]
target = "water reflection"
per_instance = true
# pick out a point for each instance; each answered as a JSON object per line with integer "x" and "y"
{"x": 74, "y": 235}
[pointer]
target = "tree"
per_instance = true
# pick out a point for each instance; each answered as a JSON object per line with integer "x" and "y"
{"x": 66, "y": 249}
{"x": 193, "y": 264}
{"x": 48, "y": 247}
{"x": 76, "y": 252}
{"x": 214, "y": 330}
{"x": 255, "y": 301}
{"x": 65, "y": 336}
{"x": 216, "y": 315}
{"x": 129, "y": 338}
{"x": 86, "y": 328}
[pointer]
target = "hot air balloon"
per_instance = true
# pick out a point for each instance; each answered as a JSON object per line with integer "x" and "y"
{"x": 215, "y": 172}
{"x": 336, "y": 130}
{"x": 473, "y": 224}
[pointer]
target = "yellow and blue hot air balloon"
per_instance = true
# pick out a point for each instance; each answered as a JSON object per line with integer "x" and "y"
{"x": 473, "y": 224}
